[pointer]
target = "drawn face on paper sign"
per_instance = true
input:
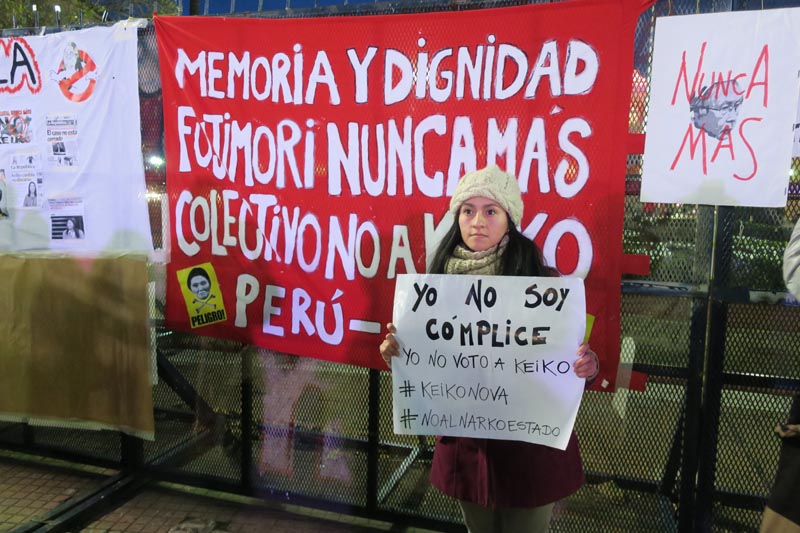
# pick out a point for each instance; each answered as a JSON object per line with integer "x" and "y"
{"x": 76, "y": 73}
{"x": 482, "y": 223}
{"x": 202, "y": 295}
{"x": 716, "y": 108}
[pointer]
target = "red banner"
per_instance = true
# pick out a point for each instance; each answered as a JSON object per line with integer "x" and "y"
{"x": 310, "y": 161}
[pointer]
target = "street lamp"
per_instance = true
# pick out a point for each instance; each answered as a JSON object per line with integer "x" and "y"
{"x": 35, "y": 16}
{"x": 57, "y": 9}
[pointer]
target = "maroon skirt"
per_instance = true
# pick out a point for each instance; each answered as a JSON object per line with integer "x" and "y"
{"x": 502, "y": 473}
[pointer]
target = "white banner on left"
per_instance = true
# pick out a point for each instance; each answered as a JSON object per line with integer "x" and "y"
{"x": 71, "y": 172}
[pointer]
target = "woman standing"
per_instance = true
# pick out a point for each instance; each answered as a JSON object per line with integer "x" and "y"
{"x": 501, "y": 486}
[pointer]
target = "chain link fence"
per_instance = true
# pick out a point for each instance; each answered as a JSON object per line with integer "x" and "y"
{"x": 710, "y": 326}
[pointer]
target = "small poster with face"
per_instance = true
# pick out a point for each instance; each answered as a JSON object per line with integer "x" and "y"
{"x": 67, "y": 221}
{"x": 29, "y": 190}
{"x": 202, "y": 295}
{"x": 724, "y": 95}
{"x": 62, "y": 139}
{"x": 24, "y": 179}
{"x": 68, "y": 228}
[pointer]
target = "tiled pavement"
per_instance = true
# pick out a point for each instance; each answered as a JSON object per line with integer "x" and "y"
{"x": 28, "y": 491}
{"x": 179, "y": 512}
{"x": 32, "y": 487}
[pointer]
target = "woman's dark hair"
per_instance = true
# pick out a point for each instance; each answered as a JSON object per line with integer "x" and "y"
{"x": 196, "y": 271}
{"x": 521, "y": 258}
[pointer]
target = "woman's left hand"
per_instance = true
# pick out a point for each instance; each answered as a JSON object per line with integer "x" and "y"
{"x": 588, "y": 364}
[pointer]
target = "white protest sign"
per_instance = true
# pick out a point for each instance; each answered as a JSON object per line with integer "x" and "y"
{"x": 723, "y": 100}
{"x": 488, "y": 356}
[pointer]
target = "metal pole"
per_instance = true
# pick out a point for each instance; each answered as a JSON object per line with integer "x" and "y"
{"x": 705, "y": 242}
{"x": 373, "y": 432}
{"x": 132, "y": 453}
{"x": 247, "y": 420}
{"x": 714, "y": 368}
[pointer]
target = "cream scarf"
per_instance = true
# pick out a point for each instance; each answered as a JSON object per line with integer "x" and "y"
{"x": 465, "y": 261}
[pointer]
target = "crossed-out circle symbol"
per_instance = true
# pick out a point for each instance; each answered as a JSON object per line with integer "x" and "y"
{"x": 66, "y": 84}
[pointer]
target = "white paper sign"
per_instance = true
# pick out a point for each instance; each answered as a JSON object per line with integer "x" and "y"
{"x": 488, "y": 356}
{"x": 723, "y": 101}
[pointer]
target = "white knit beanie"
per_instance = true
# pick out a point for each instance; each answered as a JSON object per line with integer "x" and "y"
{"x": 490, "y": 182}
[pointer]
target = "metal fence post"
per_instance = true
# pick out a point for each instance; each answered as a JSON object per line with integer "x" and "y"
{"x": 247, "y": 421}
{"x": 692, "y": 408}
{"x": 712, "y": 393}
{"x": 132, "y": 453}
{"x": 373, "y": 432}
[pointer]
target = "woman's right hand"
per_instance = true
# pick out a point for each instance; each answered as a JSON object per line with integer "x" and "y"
{"x": 389, "y": 347}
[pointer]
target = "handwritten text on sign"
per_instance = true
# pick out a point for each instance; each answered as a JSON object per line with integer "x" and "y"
{"x": 488, "y": 356}
{"x": 288, "y": 157}
{"x": 722, "y": 103}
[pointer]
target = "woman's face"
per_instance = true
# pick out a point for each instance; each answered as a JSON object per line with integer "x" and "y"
{"x": 32, "y": 189}
{"x": 200, "y": 287}
{"x": 482, "y": 223}
{"x": 70, "y": 224}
